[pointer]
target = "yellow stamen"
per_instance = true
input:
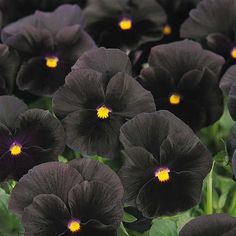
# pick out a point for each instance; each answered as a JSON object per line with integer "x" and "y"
{"x": 167, "y": 30}
{"x": 51, "y": 62}
{"x": 175, "y": 99}
{"x": 103, "y": 112}
{"x": 15, "y": 149}
{"x": 125, "y": 24}
{"x": 233, "y": 53}
{"x": 163, "y": 175}
{"x": 74, "y": 226}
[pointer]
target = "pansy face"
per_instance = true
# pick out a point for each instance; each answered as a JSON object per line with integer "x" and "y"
{"x": 183, "y": 79}
{"x": 78, "y": 202}
{"x": 123, "y": 24}
{"x": 164, "y": 159}
{"x": 96, "y": 101}
{"x": 205, "y": 25}
{"x": 28, "y": 138}
{"x": 48, "y": 47}
{"x": 217, "y": 224}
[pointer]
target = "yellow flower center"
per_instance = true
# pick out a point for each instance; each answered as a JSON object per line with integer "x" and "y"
{"x": 74, "y": 226}
{"x": 163, "y": 175}
{"x": 125, "y": 24}
{"x": 167, "y": 30}
{"x": 175, "y": 99}
{"x": 103, "y": 112}
{"x": 51, "y": 62}
{"x": 15, "y": 149}
{"x": 233, "y": 53}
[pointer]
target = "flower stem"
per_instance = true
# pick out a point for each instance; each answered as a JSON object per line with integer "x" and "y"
{"x": 209, "y": 203}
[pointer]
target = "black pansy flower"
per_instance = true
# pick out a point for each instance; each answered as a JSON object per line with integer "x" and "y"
{"x": 12, "y": 10}
{"x": 9, "y": 63}
{"x": 82, "y": 198}
{"x": 96, "y": 100}
{"x": 28, "y": 137}
{"x": 205, "y": 25}
{"x": 124, "y": 24}
{"x": 177, "y": 12}
{"x": 183, "y": 79}
{"x": 228, "y": 85}
{"x": 49, "y": 44}
{"x": 216, "y": 224}
{"x": 165, "y": 164}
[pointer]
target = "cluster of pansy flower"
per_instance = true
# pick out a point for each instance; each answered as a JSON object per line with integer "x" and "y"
{"x": 130, "y": 81}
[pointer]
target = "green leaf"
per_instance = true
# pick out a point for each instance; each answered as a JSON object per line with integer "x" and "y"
{"x": 162, "y": 227}
{"x": 122, "y": 231}
{"x": 62, "y": 159}
{"x": 128, "y": 218}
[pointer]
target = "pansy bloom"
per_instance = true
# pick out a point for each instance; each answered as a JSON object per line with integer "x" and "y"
{"x": 183, "y": 79}
{"x": 216, "y": 224}
{"x": 83, "y": 198}
{"x": 165, "y": 164}
{"x": 96, "y": 100}
{"x": 49, "y": 44}
{"x": 205, "y": 25}
{"x": 177, "y": 11}
{"x": 12, "y": 10}
{"x": 28, "y": 137}
{"x": 124, "y": 24}
{"x": 9, "y": 63}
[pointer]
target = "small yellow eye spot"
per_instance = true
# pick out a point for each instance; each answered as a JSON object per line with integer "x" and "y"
{"x": 51, "y": 62}
{"x": 15, "y": 149}
{"x": 175, "y": 99}
{"x": 103, "y": 112}
{"x": 163, "y": 175}
{"x": 233, "y": 53}
{"x": 167, "y": 30}
{"x": 126, "y": 24}
{"x": 74, "y": 226}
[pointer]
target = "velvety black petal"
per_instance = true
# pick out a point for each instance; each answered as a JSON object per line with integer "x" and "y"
{"x": 207, "y": 18}
{"x": 72, "y": 42}
{"x": 232, "y": 101}
{"x": 181, "y": 193}
{"x": 177, "y": 58}
{"x": 228, "y": 79}
{"x": 96, "y": 205}
{"x": 138, "y": 169}
{"x": 46, "y": 216}
{"x": 127, "y": 97}
{"x": 92, "y": 170}
{"x": 149, "y": 130}
{"x": 217, "y": 224}
{"x": 26, "y": 39}
{"x": 82, "y": 90}
{"x": 185, "y": 152}
{"x": 9, "y": 62}
{"x": 89, "y": 135}
{"x": 106, "y": 61}
{"x": 49, "y": 178}
{"x": 64, "y": 15}
{"x": 10, "y": 108}
{"x": 36, "y": 77}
